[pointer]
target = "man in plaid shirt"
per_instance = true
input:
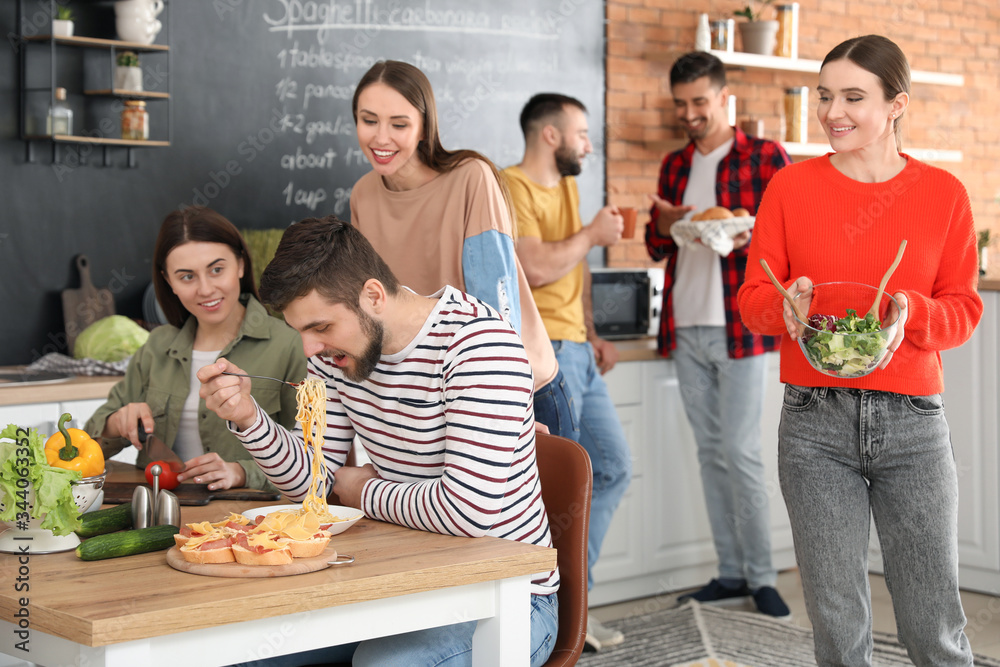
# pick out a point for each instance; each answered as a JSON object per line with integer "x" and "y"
{"x": 720, "y": 364}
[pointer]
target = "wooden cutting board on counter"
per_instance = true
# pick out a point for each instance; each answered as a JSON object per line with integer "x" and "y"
{"x": 116, "y": 493}
{"x": 85, "y": 305}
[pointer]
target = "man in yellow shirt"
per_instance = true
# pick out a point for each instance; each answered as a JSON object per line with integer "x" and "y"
{"x": 552, "y": 246}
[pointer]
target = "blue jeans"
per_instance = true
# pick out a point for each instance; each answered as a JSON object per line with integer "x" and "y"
{"x": 723, "y": 399}
{"x": 601, "y": 434}
{"x": 449, "y": 645}
{"x": 554, "y": 408}
{"x": 845, "y": 455}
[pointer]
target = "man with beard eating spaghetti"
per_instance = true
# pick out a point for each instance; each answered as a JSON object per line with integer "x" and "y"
{"x": 438, "y": 390}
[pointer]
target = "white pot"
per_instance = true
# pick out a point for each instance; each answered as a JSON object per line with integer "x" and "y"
{"x": 138, "y": 30}
{"x": 759, "y": 36}
{"x": 128, "y": 78}
{"x": 62, "y": 28}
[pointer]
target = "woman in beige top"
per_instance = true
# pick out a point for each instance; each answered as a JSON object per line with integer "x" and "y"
{"x": 440, "y": 217}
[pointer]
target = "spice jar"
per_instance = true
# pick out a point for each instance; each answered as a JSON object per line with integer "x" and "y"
{"x": 135, "y": 121}
{"x": 788, "y": 31}
{"x": 797, "y": 114}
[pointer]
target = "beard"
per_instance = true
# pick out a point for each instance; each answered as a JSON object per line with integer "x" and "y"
{"x": 365, "y": 364}
{"x": 567, "y": 161}
{"x": 700, "y": 133}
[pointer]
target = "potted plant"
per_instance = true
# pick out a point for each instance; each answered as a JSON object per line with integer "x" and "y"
{"x": 757, "y": 36}
{"x": 128, "y": 75}
{"x": 62, "y": 24}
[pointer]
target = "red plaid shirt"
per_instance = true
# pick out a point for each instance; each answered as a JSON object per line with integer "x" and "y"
{"x": 743, "y": 175}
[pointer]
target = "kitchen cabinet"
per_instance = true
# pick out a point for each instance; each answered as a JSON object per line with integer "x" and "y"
{"x": 31, "y": 52}
{"x": 740, "y": 60}
{"x": 659, "y": 540}
{"x": 972, "y": 405}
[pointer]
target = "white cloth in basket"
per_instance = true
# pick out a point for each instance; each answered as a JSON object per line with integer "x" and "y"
{"x": 716, "y": 234}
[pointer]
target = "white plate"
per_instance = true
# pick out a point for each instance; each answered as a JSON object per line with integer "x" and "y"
{"x": 351, "y": 514}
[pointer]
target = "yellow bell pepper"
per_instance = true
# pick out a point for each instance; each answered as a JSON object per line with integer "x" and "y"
{"x": 74, "y": 449}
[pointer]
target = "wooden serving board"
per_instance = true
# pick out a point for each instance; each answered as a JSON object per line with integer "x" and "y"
{"x": 237, "y": 570}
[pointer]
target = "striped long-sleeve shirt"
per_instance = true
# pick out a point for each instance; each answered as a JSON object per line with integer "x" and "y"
{"x": 448, "y": 424}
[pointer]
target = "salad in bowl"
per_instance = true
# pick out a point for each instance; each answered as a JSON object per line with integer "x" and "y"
{"x": 838, "y": 341}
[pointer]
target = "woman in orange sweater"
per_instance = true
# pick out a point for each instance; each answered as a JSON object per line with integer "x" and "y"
{"x": 877, "y": 445}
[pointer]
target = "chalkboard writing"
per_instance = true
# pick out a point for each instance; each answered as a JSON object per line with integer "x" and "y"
{"x": 262, "y": 129}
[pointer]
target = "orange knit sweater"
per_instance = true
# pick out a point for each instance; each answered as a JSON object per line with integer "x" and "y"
{"x": 816, "y": 222}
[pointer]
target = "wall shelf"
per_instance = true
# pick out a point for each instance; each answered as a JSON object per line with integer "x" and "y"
{"x": 97, "y": 43}
{"x": 141, "y": 95}
{"x": 780, "y": 64}
{"x": 817, "y": 149}
{"x": 924, "y": 154}
{"x": 54, "y": 45}
{"x": 100, "y": 141}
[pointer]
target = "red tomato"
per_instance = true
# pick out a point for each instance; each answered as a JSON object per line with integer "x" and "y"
{"x": 168, "y": 478}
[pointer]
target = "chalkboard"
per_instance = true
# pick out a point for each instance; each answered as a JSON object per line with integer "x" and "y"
{"x": 261, "y": 126}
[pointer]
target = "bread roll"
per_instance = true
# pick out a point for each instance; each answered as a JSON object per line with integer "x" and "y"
{"x": 221, "y": 555}
{"x": 714, "y": 213}
{"x": 308, "y": 548}
{"x": 741, "y": 213}
{"x": 270, "y": 557}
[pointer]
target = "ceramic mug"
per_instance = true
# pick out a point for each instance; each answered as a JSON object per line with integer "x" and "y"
{"x": 146, "y": 8}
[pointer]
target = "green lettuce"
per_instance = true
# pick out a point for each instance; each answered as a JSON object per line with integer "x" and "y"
{"x": 53, "y": 486}
{"x": 109, "y": 339}
{"x": 847, "y": 356}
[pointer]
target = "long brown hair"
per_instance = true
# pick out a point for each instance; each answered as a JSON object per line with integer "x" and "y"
{"x": 880, "y": 56}
{"x": 199, "y": 224}
{"x": 414, "y": 86}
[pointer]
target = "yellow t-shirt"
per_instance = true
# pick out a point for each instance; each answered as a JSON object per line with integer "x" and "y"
{"x": 552, "y": 214}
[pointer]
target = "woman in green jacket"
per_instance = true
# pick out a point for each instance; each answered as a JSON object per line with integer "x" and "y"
{"x": 203, "y": 278}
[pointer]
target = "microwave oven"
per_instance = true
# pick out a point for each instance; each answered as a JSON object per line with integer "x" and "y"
{"x": 626, "y": 302}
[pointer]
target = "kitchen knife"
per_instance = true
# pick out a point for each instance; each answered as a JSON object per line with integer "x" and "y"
{"x": 157, "y": 450}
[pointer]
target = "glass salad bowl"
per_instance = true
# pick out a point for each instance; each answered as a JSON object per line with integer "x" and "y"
{"x": 30, "y": 533}
{"x": 838, "y": 340}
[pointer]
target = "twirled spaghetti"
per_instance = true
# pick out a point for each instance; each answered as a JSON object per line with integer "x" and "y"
{"x": 311, "y": 400}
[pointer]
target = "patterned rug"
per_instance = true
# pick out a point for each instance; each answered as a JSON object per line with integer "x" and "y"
{"x": 696, "y": 635}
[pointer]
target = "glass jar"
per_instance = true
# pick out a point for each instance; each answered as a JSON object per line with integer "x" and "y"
{"x": 797, "y": 114}
{"x": 60, "y": 116}
{"x": 788, "y": 31}
{"x": 722, "y": 34}
{"x": 135, "y": 121}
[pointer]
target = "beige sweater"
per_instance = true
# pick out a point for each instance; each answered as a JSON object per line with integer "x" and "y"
{"x": 422, "y": 233}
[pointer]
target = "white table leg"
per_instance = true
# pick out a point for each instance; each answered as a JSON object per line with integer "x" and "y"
{"x": 504, "y": 639}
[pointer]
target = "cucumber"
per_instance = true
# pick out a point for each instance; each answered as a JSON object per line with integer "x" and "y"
{"x": 127, "y": 543}
{"x": 110, "y": 520}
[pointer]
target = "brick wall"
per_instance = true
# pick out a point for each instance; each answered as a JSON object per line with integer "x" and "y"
{"x": 951, "y": 36}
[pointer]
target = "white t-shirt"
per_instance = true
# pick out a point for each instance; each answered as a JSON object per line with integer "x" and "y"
{"x": 188, "y": 443}
{"x": 697, "y": 292}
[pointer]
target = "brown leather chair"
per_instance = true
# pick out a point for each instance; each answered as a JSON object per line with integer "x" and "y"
{"x": 567, "y": 482}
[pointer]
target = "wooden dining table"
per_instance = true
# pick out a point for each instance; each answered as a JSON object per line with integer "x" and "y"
{"x": 137, "y": 611}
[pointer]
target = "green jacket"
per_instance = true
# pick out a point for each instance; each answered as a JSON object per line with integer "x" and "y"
{"x": 160, "y": 371}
